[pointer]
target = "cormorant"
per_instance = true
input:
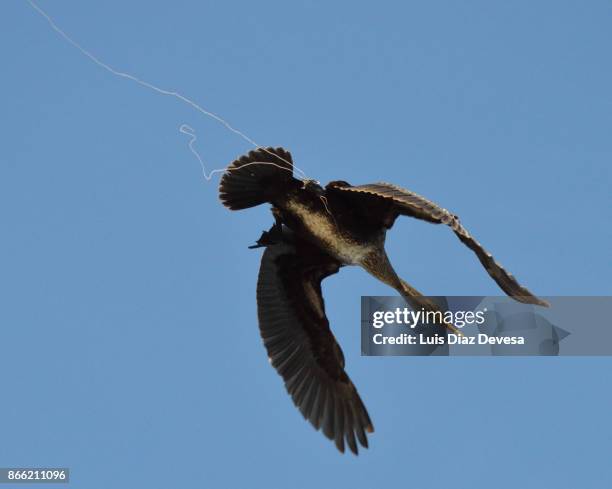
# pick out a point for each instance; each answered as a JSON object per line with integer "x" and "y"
{"x": 317, "y": 231}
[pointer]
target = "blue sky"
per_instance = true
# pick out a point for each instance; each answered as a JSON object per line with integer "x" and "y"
{"x": 129, "y": 346}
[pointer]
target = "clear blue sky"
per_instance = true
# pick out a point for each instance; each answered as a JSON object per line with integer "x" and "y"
{"x": 129, "y": 347}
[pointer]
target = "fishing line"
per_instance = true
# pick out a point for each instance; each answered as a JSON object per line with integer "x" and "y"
{"x": 185, "y": 129}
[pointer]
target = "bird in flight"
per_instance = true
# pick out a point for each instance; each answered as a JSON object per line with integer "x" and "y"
{"x": 317, "y": 231}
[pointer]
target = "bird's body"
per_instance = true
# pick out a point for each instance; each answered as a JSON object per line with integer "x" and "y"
{"x": 308, "y": 212}
{"x": 318, "y": 230}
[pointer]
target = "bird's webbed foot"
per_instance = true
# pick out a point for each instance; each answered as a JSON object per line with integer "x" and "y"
{"x": 271, "y": 237}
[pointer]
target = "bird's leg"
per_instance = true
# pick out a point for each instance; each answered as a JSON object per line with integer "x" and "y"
{"x": 377, "y": 264}
{"x": 273, "y": 236}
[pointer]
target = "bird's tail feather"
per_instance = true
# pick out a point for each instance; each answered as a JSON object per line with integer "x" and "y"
{"x": 252, "y": 179}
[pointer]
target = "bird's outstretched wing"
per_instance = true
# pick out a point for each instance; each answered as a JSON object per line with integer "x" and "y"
{"x": 300, "y": 344}
{"x": 405, "y": 202}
